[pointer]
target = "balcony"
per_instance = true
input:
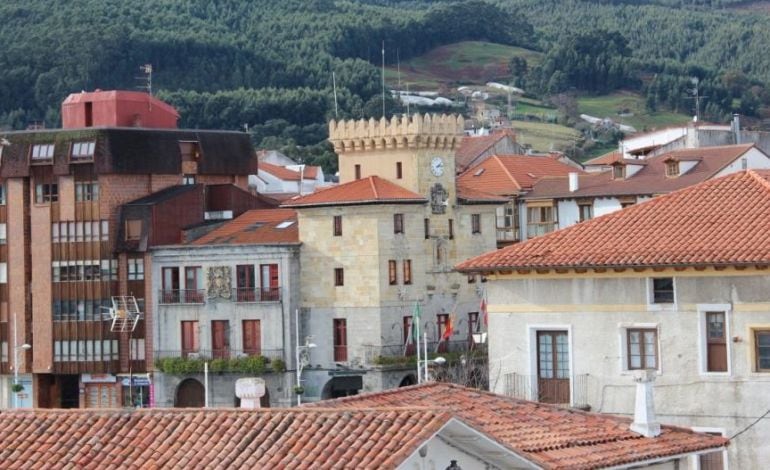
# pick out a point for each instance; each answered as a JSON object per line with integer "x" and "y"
{"x": 536, "y": 229}
{"x": 400, "y": 354}
{"x": 181, "y": 296}
{"x": 256, "y": 294}
{"x": 556, "y": 391}
{"x": 236, "y": 361}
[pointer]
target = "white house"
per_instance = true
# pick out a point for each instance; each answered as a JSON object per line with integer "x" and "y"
{"x": 274, "y": 179}
{"x": 679, "y": 285}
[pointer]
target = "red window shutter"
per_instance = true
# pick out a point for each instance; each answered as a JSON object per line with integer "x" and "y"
{"x": 273, "y": 276}
{"x": 252, "y": 337}
{"x": 219, "y": 340}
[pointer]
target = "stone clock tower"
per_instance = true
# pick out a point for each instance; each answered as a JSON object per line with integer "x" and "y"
{"x": 416, "y": 152}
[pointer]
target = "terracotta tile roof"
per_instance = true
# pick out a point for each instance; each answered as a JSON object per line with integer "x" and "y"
{"x": 605, "y": 159}
{"x": 287, "y": 174}
{"x": 548, "y": 435}
{"x": 215, "y": 438}
{"x": 473, "y": 146}
{"x": 469, "y": 195}
{"x": 371, "y": 190}
{"x": 649, "y": 180}
{"x": 506, "y": 175}
{"x": 725, "y": 221}
{"x": 258, "y": 227}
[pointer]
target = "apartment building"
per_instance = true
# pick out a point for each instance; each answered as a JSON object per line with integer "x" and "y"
{"x": 81, "y": 205}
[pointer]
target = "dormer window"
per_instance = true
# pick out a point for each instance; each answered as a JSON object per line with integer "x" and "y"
{"x": 42, "y": 152}
{"x": 672, "y": 168}
{"x": 82, "y": 151}
{"x": 190, "y": 150}
{"x": 618, "y": 172}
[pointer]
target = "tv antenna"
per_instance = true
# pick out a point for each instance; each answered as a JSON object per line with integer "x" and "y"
{"x": 696, "y": 96}
{"x": 124, "y": 313}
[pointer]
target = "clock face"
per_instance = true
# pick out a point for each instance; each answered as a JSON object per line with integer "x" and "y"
{"x": 437, "y": 166}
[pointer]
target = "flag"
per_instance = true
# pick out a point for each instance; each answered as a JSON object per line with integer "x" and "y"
{"x": 409, "y": 339}
{"x": 450, "y": 326}
{"x": 416, "y": 315}
{"x": 483, "y": 310}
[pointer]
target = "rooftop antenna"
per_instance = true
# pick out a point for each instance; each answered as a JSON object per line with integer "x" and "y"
{"x": 334, "y": 86}
{"x": 146, "y": 79}
{"x": 696, "y": 96}
{"x": 407, "y": 98}
{"x": 398, "y": 65}
{"x": 383, "y": 78}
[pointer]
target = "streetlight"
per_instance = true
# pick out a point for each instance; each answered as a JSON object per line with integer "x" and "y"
{"x": 16, "y": 351}
{"x": 439, "y": 361}
{"x": 303, "y": 358}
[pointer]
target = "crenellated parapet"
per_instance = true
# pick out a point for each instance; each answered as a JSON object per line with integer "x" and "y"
{"x": 428, "y": 131}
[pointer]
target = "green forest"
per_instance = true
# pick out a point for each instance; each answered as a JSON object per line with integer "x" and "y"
{"x": 267, "y": 66}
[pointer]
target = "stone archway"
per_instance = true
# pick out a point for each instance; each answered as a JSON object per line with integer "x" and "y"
{"x": 408, "y": 380}
{"x": 190, "y": 394}
{"x": 344, "y": 386}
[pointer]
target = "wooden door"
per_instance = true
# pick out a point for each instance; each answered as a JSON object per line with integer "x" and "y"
{"x": 220, "y": 339}
{"x": 245, "y": 283}
{"x": 716, "y": 344}
{"x": 340, "y": 340}
{"x": 190, "y": 343}
{"x": 190, "y": 394}
{"x": 269, "y": 282}
{"x": 252, "y": 337}
{"x": 553, "y": 372}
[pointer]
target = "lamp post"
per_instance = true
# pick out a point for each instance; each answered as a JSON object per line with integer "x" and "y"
{"x": 303, "y": 357}
{"x": 16, "y": 351}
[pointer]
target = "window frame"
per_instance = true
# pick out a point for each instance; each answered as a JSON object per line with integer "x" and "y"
{"x": 426, "y": 227}
{"x": 90, "y": 146}
{"x": 339, "y": 277}
{"x": 623, "y": 345}
{"x": 398, "y": 224}
{"x": 46, "y": 193}
{"x": 399, "y": 170}
{"x": 643, "y": 353}
{"x": 652, "y": 304}
{"x": 340, "y": 339}
{"x": 337, "y": 226}
{"x": 672, "y": 168}
{"x": 128, "y": 236}
{"x": 703, "y": 311}
{"x": 755, "y": 332}
{"x": 392, "y": 272}
{"x": 475, "y": 224}
{"x": 585, "y": 207}
{"x": 406, "y": 266}
{"x": 451, "y": 227}
{"x": 34, "y": 148}
{"x": 357, "y": 170}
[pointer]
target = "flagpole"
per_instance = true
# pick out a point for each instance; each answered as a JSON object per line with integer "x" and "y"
{"x": 426, "y": 356}
{"x": 417, "y": 334}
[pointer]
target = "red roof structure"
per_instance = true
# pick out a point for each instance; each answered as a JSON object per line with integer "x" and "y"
{"x": 256, "y": 227}
{"x": 472, "y": 147}
{"x": 649, "y": 180}
{"x": 370, "y": 190}
{"x": 506, "y": 175}
{"x": 721, "y": 222}
{"x": 117, "y": 108}
{"x": 216, "y": 438}
{"x": 548, "y": 435}
{"x": 287, "y": 174}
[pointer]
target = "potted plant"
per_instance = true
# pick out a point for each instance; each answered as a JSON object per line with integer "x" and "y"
{"x": 16, "y": 388}
{"x": 299, "y": 390}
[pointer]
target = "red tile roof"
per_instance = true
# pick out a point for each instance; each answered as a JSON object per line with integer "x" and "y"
{"x": 371, "y": 190}
{"x": 548, "y": 435}
{"x": 650, "y": 180}
{"x": 507, "y": 175}
{"x": 259, "y": 227}
{"x": 287, "y": 174}
{"x": 605, "y": 159}
{"x": 474, "y": 196}
{"x": 472, "y": 146}
{"x": 725, "y": 221}
{"x": 215, "y": 438}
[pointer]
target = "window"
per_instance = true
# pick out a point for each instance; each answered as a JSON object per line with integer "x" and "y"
{"x": 42, "y": 152}
{"x": 135, "y": 269}
{"x": 339, "y": 277}
{"x": 3, "y": 273}
{"x": 398, "y": 223}
{"x": 270, "y": 290}
{"x": 190, "y": 339}
{"x": 642, "y": 348}
{"x": 2, "y": 234}
{"x": 337, "y": 225}
{"x": 358, "y": 171}
{"x": 220, "y": 339}
{"x": 46, "y": 192}
{"x": 133, "y": 229}
{"x": 190, "y": 151}
{"x": 399, "y": 171}
{"x": 619, "y": 172}
{"x": 340, "y": 340}
{"x": 245, "y": 282}
{"x": 586, "y": 211}
{"x": 2, "y": 194}
{"x": 426, "y": 226}
{"x": 744, "y": 163}
{"x": 252, "y": 337}
{"x": 475, "y": 223}
{"x": 170, "y": 285}
{"x": 471, "y": 278}
{"x": 87, "y": 191}
{"x": 407, "y": 265}
{"x": 672, "y": 168}
{"x": 762, "y": 352}
{"x": 193, "y": 284}
{"x": 82, "y": 151}
{"x": 392, "y": 272}
{"x": 188, "y": 179}
{"x": 409, "y": 348}
{"x": 663, "y": 290}
{"x": 89, "y": 231}
{"x": 473, "y": 325}
{"x": 627, "y": 201}
{"x": 442, "y": 323}
{"x": 451, "y": 229}
{"x": 716, "y": 343}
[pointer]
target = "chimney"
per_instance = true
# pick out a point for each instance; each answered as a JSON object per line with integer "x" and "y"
{"x": 250, "y": 390}
{"x": 737, "y": 128}
{"x": 573, "y": 182}
{"x": 645, "y": 422}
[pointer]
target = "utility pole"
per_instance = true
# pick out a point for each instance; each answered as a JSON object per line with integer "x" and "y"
{"x": 383, "y": 78}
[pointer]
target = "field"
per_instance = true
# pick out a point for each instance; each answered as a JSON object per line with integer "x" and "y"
{"x": 610, "y": 106}
{"x": 463, "y": 63}
{"x": 544, "y": 137}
